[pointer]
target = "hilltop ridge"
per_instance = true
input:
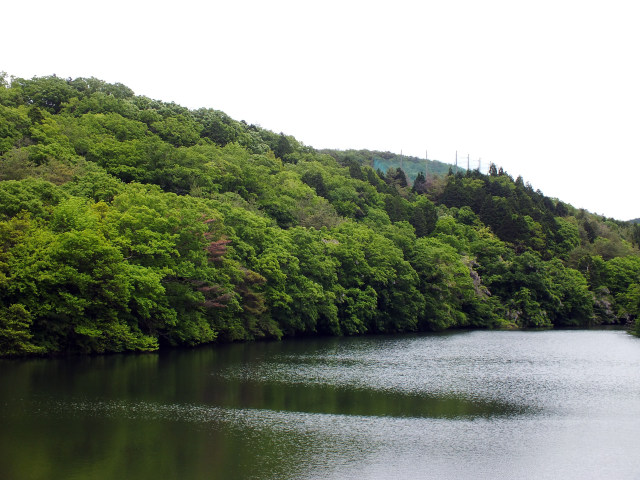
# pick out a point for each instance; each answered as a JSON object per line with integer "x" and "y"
{"x": 384, "y": 161}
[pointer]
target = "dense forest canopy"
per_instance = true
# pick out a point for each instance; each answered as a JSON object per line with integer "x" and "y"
{"x": 128, "y": 224}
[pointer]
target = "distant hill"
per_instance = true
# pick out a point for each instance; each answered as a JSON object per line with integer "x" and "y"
{"x": 635, "y": 220}
{"x": 383, "y": 161}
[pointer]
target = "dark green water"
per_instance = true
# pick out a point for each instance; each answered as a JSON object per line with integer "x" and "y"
{"x": 493, "y": 405}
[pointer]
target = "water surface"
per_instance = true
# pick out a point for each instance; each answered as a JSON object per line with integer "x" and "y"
{"x": 511, "y": 405}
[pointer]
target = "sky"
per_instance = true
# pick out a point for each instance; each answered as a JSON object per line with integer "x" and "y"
{"x": 547, "y": 89}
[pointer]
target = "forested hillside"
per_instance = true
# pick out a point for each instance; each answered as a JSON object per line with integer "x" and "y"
{"x": 383, "y": 161}
{"x": 129, "y": 224}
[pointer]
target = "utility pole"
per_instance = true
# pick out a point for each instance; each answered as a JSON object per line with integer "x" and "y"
{"x": 426, "y": 163}
{"x": 456, "y": 161}
{"x": 468, "y": 162}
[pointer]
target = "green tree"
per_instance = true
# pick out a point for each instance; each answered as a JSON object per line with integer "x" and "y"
{"x": 15, "y": 332}
{"x": 46, "y": 92}
{"x": 283, "y": 147}
{"x": 445, "y": 283}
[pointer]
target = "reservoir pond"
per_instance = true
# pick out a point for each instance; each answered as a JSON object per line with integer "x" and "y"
{"x": 462, "y": 405}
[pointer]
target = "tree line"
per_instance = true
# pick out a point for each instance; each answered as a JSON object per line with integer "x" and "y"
{"x": 131, "y": 224}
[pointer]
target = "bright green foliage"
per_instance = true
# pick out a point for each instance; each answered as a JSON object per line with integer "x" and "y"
{"x": 575, "y": 303}
{"x": 367, "y": 258}
{"x": 622, "y": 272}
{"x": 45, "y": 92}
{"x": 566, "y": 236}
{"x": 130, "y": 224}
{"x": 15, "y": 334}
{"x": 525, "y": 310}
{"x": 14, "y": 125}
{"x": 623, "y": 277}
{"x": 629, "y": 303}
{"x": 445, "y": 283}
{"x": 95, "y": 184}
{"x": 34, "y": 196}
{"x": 180, "y": 131}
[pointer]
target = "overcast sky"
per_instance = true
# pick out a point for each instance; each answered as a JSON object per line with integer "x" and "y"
{"x": 549, "y": 90}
